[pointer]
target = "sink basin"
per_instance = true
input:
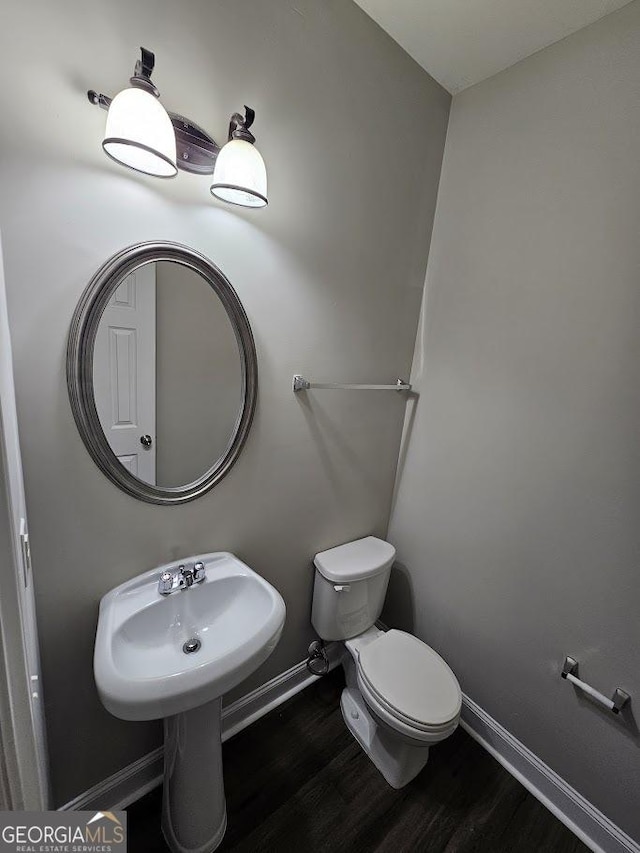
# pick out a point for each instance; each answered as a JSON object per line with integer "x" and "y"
{"x": 174, "y": 656}
{"x": 141, "y": 670}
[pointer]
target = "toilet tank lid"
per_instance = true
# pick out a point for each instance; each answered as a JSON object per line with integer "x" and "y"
{"x": 355, "y": 561}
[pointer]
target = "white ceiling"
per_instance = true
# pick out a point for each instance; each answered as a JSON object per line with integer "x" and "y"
{"x": 460, "y": 42}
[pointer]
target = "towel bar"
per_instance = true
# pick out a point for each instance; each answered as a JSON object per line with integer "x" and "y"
{"x": 615, "y": 704}
{"x": 302, "y": 384}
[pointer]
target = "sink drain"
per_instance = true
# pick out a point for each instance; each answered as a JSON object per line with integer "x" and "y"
{"x": 191, "y": 646}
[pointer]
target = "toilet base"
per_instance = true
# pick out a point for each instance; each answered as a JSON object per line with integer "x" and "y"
{"x": 398, "y": 760}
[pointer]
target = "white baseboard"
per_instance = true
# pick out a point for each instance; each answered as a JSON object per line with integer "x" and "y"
{"x": 137, "y": 779}
{"x": 570, "y": 807}
{"x": 123, "y": 788}
{"x": 260, "y": 701}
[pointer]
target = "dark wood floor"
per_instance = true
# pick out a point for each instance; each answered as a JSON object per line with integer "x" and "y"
{"x": 297, "y": 781}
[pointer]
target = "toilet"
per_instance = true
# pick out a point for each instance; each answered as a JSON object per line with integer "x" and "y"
{"x": 400, "y": 696}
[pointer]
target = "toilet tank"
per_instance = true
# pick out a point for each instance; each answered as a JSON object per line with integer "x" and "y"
{"x": 350, "y": 586}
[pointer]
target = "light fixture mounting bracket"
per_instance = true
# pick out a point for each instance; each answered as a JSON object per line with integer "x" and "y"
{"x": 142, "y": 72}
{"x": 196, "y": 151}
{"x": 240, "y": 124}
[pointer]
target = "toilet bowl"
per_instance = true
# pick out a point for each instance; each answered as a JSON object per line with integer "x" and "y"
{"x": 400, "y": 696}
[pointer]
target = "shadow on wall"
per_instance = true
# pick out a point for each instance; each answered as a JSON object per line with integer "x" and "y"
{"x": 398, "y": 611}
{"x": 625, "y": 721}
{"x": 338, "y": 449}
{"x": 413, "y": 398}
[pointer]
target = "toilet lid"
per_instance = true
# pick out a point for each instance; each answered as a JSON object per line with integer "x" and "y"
{"x": 411, "y": 678}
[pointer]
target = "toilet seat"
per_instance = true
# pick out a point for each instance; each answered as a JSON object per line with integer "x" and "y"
{"x": 409, "y": 685}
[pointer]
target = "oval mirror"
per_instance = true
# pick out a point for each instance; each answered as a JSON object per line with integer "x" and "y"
{"x": 162, "y": 372}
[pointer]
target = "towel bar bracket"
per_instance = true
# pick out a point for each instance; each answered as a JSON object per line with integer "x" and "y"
{"x": 619, "y": 699}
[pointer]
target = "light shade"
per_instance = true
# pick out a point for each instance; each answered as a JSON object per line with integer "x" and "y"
{"x": 140, "y": 135}
{"x": 240, "y": 176}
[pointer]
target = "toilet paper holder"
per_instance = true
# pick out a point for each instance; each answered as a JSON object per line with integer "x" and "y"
{"x": 615, "y": 704}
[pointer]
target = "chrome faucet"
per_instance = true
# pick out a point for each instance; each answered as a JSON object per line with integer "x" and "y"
{"x": 181, "y": 578}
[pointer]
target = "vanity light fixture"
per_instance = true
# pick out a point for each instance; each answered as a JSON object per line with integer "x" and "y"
{"x": 144, "y": 136}
{"x": 240, "y": 176}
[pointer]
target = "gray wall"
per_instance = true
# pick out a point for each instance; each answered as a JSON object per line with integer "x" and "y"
{"x": 198, "y": 376}
{"x": 330, "y": 274}
{"x": 517, "y": 511}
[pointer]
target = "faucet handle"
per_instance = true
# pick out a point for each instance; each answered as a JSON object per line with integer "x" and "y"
{"x": 165, "y": 584}
{"x": 198, "y": 572}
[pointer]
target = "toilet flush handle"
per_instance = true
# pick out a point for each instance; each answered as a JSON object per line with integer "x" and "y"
{"x": 344, "y": 587}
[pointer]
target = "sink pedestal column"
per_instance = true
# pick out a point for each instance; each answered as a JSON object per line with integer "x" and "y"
{"x": 194, "y": 815}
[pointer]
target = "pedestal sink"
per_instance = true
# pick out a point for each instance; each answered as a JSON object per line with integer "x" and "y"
{"x": 174, "y": 656}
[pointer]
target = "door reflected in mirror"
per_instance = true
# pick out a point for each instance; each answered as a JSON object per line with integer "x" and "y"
{"x": 167, "y": 375}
